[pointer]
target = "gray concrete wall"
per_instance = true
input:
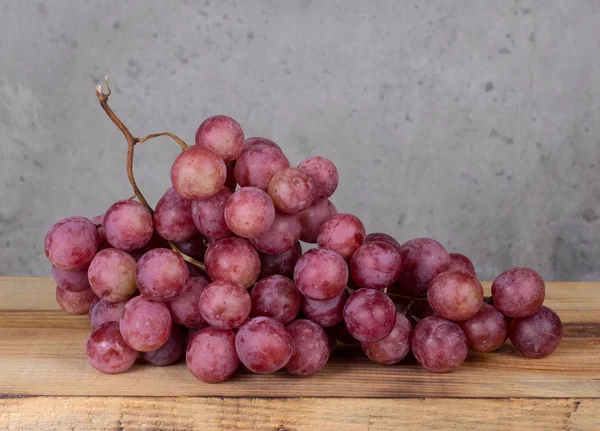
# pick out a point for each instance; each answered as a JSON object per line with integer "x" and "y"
{"x": 473, "y": 122}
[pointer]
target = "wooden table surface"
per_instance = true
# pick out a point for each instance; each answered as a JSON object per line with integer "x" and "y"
{"x": 47, "y": 384}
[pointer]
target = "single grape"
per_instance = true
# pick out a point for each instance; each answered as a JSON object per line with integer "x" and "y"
{"x": 173, "y": 217}
{"x": 257, "y": 165}
{"x": 375, "y": 265}
{"x": 538, "y": 334}
{"x": 208, "y": 215}
{"x": 71, "y": 243}
{"x": 225, "y": 305}
{"x": 281, "y": 236}
{"x": 461, "y": 262}
{"x": 394, "y": 347}
{"x": 185, "y": 307}
{"x": 223, "y": 135}
{"x": 422, "y": 260}
{"x": 313, "y": 217}
{"x": 112, "y": 275}
{"x": 311, "y": 348}
{"x": 342, "y": 233}
{"x": 230, "y": 181}
{"x": 211, "y": 355}
{"x": 276, "y": 297}
{"x": 249, "y": 142}
{"x": 170, "y": 352}
{"x": 145, "y": 325}
{"x": 198, "y": 173}
{"x": 455, "y": 295}
{"x": 328, "y": 312}
{"x": 73, "y": 281}
{"x": 439, "y": 345}
{"x": 292, "y": 190}
{"x": 161, "y": 274}
{"x": 282, "y": 264}
{"x": 263, "y": 345}
{"x": 321, "y": 274}
{"x": 383, "y": 237}
{"x": 323, "y": 173}
{"x": 107, "y": 351}
{"x": 518, "y": 292}
{"x": 249, "y": 212}
{"x": 232, "y": 259}
{"x": 128, "y": 225}
{"x": 103, "y": 311}
{"x": 486, "y": 331}
{"x": 75, "y": 302}
{"x": 195, "y": 248}
{"x": 369, "y": 315}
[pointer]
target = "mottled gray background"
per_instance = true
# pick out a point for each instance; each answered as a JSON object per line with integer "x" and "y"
{"x": 474, "y": 122}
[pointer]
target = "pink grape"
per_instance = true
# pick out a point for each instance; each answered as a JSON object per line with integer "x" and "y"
{"x": 173, "y": 217}
{"x": 281, "y": 236}
{"x": 161, "y": 274}
{"x": 328, "y": 312}
{"x": 198, "y": 173}
{"x": 249, "y": 142}
{"x": 323, "y": 173}
{"x": 486, "y": 331}
{"x": 75, "y": 302}
{"x": 313, "y": 217}
{"x": 211, "y": 355}
{"x": 342, "y": 233}
{"x": 439, "y": 345}
{"x": 128, "y": 225}
{"x": 223, "y": 135}
{"x": 170, "y": 352}
{"x": 208, "y": 215}
{"x": 282, "y": 264}
{"x": 230, "y": 181}
{"x": 538, "y": 334}
{"x": 73, "y": 281}
{"x": 98, "y": 220}
{"x": 422, "y": 260}
{"x": 455, "y": 295}
{"x": 518, "y": 292}
{"x": 276, "y": 297}
{"x": 375, "y": 265}
{"x": 103, "y": 311}
{"x": 195, "y": 248}
{"x": 225, "y": 305}
{"x": 232, "y": 259}
{"x": 249, "y": 212}
{"x": 107, "y": 351}
{"x": 71, "y": 243}
{"x": 311, "y": 348}
{"x": 394, "y": 347}
{"x": 263, "y": 345}
{"x": 461, "y": 262}
{"x": 321, "y": 274}
{"x": 369, "y": 315}
{"x": 257, "y": 165}
{"x": 292, "y": 190}
{"x": 383, "y": 237}
{"x": 185, "y": 307}
{"x": 112, "y": 275}
{"x": 145, "y": 325}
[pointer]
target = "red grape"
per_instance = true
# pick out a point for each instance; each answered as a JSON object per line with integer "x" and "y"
{"x": 369, "y": 315}
{"x": 375, "y": 265}
{"x": 311, "y": 348}
{"x": 198, "y": 173}
{"x": 328, "y": 312}
{"x": 383, "y": 237}
{"x": 461, "y": 262}
{"x": 263, "y": 345}
{"x": 276, "y": 297}
{"x": 321, "y": 274}
{"x": 342, "y": 233}
{"x": 313, "y": 217}
{"x": 128, "y": 225}
{"x": 249, "y": 142}
{"x": 75, "y": 302}
{"x": 292, "y": 190}
{"x": 173, "y": 217}
{"x": 145, "y": 325}
{"x": 71, "y": 243}
{"x": 282, "y": 264}
{"x": 538, "y": 334}
{"x": 73, "y": 281}
{"x": 422, "y": 260}
{"x": 161, "y": 274}
{"x": 208, "y": 215}
{"x": 195, "y": 248}
{"x": 211, "y": 355}
{"x": 394, "y": 347}
{"x": 103, "y": 311}
{"x": 170, "y": 352}
{"x": 112, "y": 275}
{"x": 249, "y": 212}
{"x": 439, "y": 345}
{"x": 518, "y": 292}
{"x": 257, "y": 165}
{"x": 323, "y": 173}
{"x": 225, "y": 305}
{"x": 455, "y": 295}
{"x": 223, "y": 135}
{"x": 486, "y": 331}
{"x": 232, "y": 259}
{"x": 281, "y": 236}
{"x": 107, "y": 351}
{"x": 185, "y": 307}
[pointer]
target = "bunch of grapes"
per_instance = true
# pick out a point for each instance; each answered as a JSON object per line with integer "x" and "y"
{"x": 216, "y": 273}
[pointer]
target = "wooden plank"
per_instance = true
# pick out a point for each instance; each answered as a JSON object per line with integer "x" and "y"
{"x": 296, "y": 414}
